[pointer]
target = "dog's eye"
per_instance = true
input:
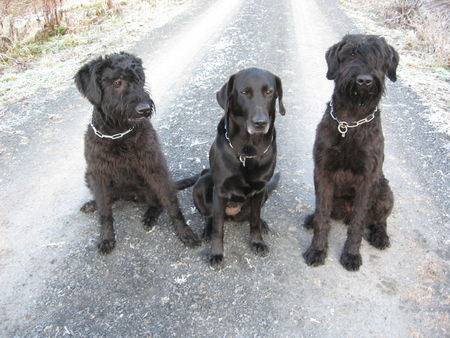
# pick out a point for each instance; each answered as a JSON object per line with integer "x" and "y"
{"x": 269, "y": 92}
{"x": 353, "y": 53}
{"x": 245, "y": 92}
{"x": 117, "y": 83}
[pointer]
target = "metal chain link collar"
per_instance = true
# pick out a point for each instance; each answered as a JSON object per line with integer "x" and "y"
{"x": 343, "y": 126}
{"x": 112, "y": 137}
{"x": 243, "y": 158}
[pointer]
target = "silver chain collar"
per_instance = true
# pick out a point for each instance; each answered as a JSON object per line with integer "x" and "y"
{"x": 112, "y": 137}
{"x": 343, "y": 126}
{"x": 243, "y": 158}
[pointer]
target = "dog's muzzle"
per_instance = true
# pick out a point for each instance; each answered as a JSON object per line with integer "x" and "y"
{"x": 143, "y": 111}
{"x": 259, "y": 123}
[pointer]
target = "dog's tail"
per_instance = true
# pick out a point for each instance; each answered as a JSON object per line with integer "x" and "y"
{"x": 273, "y": 183}
{"x": 186, "y": 182}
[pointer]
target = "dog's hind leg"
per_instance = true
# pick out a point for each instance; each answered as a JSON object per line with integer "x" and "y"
{"x": 154, "y": 210}
{"x": 308, "y": 223}
{"x": 377, "y": 215}
{"x": 89, "y": 207}
{"x": 150, "y": 217}
{"x": 202, "y": 194}
{"x": 164, "y": 189}
{"x": 256, "y": 240}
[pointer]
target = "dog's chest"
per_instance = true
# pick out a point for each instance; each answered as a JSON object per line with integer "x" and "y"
{"x": 346, "y": 157}
{"x": 114, "y": 158}
{"x": 238, "y": 189}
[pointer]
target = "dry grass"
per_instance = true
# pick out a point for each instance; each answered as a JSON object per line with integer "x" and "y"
{"x": 428, "y": 20}
{"x": 401, "y": 12}
{"x": 425, "y": 24}
{"x": 30, "y": 28}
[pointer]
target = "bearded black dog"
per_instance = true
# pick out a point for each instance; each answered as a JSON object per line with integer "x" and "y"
{"x": 242, "y": 159}
{"x": 122, "y": 151}
{"x": 349, "y": 150}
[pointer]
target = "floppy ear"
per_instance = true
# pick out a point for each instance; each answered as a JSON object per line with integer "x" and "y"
{"x": 224, "y": 94}
{"x": 281, "y": 108}
{"x": 393, "y": 60}
{"x": 332, "y": 60}
{"x": 86, "y": 81}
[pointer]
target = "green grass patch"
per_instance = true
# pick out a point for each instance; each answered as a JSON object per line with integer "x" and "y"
{"x": 7, "y": 79}
{"x": 31, "y": 50}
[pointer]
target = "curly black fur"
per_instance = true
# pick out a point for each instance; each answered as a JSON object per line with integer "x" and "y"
{"x": 348, "y": 174}
{"x": 131, "y": 167}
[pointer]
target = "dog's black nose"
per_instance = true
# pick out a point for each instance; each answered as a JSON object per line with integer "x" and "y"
{"x": 364, "y": 80}
{"x": 143, "y": 108}
{"x": 259, "y": 120}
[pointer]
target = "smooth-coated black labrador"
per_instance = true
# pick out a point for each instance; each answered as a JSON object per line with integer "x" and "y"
{"x": 349, "y": 150}
{"x": 124, "y": 159}
{"x": 242, "y": 159}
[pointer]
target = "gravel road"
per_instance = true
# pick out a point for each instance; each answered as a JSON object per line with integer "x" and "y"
{"x": 54, "y": 283}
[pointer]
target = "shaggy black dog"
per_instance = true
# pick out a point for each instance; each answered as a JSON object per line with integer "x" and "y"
{"x": 349, "y": 150}
{"x": 123, "y": 156}
{"x": 242, "y": 159}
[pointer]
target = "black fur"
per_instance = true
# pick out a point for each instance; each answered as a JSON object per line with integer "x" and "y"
{"x": 131, "y": 167}
{"x": 348, "y": 173}
{"x": 229, "y": 190}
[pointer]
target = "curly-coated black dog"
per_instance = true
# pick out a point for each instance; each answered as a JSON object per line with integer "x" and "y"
{"x": 349, "y": 150}
{"x": 242, "y": 159}
{"x": 123, "y": 156}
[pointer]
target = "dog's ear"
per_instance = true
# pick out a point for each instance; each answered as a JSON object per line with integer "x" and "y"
{"x": 223, "y": 96}
{"x": 332, "y": 59}
{"x": 281, "y": 108}
{"x": 393, "y": 60}
{"x": 86, "y": 80}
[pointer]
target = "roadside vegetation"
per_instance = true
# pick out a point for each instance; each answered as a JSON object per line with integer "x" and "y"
{"x": 424, "y": 24}
{"x": 43, "y": 42}
{"x": 32, "y": 28}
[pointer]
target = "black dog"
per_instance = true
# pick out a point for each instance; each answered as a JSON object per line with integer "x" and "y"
{"x": 242, "y": 159}
{"x": 123, "y": 156}
{"x": 349, "y": 150}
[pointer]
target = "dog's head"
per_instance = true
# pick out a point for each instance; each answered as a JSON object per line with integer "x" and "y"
{"x": 115, "y": 85}
{"x": 249, "y": 98}
{"x": 359, "y": 65}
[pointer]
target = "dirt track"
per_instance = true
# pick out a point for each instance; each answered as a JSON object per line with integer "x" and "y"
{"x": 55, "y": 283}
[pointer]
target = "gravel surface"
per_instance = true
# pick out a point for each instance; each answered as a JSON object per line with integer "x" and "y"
{"x": 54, "y": 283}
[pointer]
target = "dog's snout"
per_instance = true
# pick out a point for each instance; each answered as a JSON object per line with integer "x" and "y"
{"x": 364, "y": 80}
{"x": 260, "y": 120}
{"x": 143, "y": 108}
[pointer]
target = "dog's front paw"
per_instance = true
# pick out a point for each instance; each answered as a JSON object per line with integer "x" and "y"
{"x": 216, "y": 261}
{"x": 378, "y": 238}
{"x": 314, "y": 257}
{"x": 105, "y": 246}
{"x": 189, "y": 238}
{"x": 259, "y": 248}
{"x": 351, "y": 262}
{"x": 308, "y": 222}
{"x": 89, "y": 207}
{"x": 150, "y": 217}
